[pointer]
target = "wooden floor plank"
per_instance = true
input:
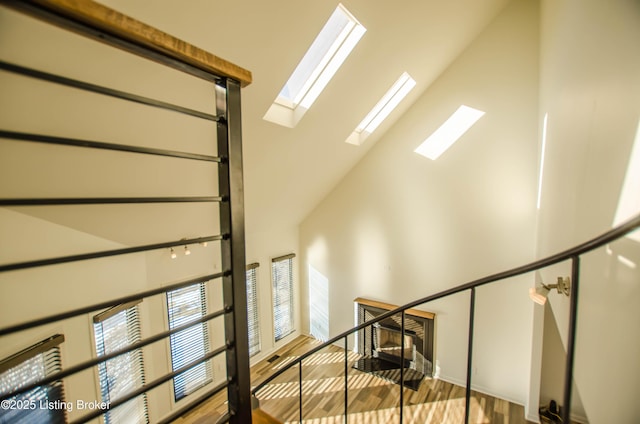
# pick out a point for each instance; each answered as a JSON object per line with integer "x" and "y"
{"x": 370, "y": 399}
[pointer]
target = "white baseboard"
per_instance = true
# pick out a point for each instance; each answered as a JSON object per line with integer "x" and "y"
{"x": 480, "y": 389}
{"x": 579, "y": 419}
{"x": 534, "y": 418}
{"x": 574, "y": 418}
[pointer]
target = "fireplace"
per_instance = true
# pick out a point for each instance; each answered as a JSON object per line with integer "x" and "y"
{"x": 383, "y": 339}
{"x": 388, "y": 345}
{"x": 381, "y": 344}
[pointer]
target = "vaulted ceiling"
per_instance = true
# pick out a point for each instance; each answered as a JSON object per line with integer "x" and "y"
{"x": 288, "y": 171}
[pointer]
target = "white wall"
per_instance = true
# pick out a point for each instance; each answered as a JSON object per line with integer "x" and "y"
{"x": 553, "y": 372}
{"x": 399, "y": 226}
{"x": 590, "y": 89}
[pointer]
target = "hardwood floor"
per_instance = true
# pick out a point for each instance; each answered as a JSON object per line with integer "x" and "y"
{"x": 371, "y": 399}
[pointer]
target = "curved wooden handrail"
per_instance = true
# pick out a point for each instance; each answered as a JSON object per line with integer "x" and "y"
{"x": 127, "y": 28}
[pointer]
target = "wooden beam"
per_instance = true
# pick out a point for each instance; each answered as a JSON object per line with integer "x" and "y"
{"x": 115, "y": 23}
{"x": 390, "y": 307}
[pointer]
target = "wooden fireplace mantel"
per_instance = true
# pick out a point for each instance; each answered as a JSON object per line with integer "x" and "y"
{"x": 390, "y": 307}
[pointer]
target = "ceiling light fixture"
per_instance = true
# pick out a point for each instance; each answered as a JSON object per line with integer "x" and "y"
{"x": 382, "y": 109}
{"x": 186, "y": 250}
{"x": 539, "y": 294}
{"x": 173, "y": 254}
{"x": 449, "y": 132}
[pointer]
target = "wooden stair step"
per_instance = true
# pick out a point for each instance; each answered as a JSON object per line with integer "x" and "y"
{"x": 261, "y": 417}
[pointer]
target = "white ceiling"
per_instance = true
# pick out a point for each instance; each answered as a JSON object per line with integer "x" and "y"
{"x": 289, "y": 171}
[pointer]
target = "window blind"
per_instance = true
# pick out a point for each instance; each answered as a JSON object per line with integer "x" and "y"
{"x": 283, "y": 306}
{"x": 252, "y": 309}
{"x": 116, "y": 329}
{"x": 26, "y": 367}
{"x": 186, "y": 305}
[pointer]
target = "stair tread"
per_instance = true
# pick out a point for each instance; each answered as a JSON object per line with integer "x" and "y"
{"x": 261, "y": 417}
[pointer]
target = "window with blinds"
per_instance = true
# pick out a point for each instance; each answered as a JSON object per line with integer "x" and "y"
{"x": 186, "y": 305}
{"x": 252, "y": 309}
{"x": 115, "y": 329}
{"x": 283, "y": 305}
{"x": 24, "y": 368}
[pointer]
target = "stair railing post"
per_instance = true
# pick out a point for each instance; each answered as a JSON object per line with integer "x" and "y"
{"x": 300, "y": 391}
{"x": 402, "y": 367}
{"x": 467, "y": 396}
{"x": 230, "y": 186}
{"x": 346, "y": 379}
{"x": 571, "y": 339}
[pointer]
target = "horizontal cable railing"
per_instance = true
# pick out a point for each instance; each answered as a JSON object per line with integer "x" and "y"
{"x": 89, "y": 364}
{"x": 93, "y": 362}
{"x": 155, "y": 383}
{"x": 93, "y": 88}
{"x": 95, "y": 21}
{"x": 62, "y": 141}
{"x": 104, "y": 305}
{"x": 573, "y": 254}
{"x": 107, "y": 200}
{"x": 107, "y": 253}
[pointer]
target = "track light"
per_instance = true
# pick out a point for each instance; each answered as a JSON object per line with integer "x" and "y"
{"x": 539, "y": 294}
{"x": 187, "y": 251}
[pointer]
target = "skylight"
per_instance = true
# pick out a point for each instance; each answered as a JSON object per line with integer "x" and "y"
{"x": 382, "y": 109}
{"x": 544, "y": 147}
{"x": 629, "y": 203}
{"x": 449, "y": 132}
{"x": 328, "y": 51}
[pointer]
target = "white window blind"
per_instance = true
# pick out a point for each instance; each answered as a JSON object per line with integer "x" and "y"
{"x": 252, "y": 309}
{"x": 186, "y": 305}
{"x": 24, "y": 368}
{"x": 283, "y": 305}
{"x": 116, "y": 329}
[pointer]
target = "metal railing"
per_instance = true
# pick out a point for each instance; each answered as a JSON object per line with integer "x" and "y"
{"x": 572, "y": 254}
{"x": 228, "y": 166}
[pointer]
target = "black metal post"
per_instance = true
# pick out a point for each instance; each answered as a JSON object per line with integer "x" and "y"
{"x": 346, "y": 379}
{"x": 571, "y": 339}
{"x": 401, "y": 367}
{"x": 300, "y": 391}
{"x": 233, "y": 253}
{"x": 467, "y": 396}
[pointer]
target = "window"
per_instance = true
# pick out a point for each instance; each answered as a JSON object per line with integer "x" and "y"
{"x": 283, "y": 306}
{"x": 28, "y": 366}
{"x": 184, "y": 306}
{"x": 252, "y": 309}
{"x": 115, "y": 329}
{"x": 328, "y": 51}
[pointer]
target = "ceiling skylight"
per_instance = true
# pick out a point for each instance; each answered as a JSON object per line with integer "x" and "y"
{"x": 449, "y": 132}
{"x": 382, "y": 109}
{"x": 328, "y": 51}
{"x": 629, "y": 203}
